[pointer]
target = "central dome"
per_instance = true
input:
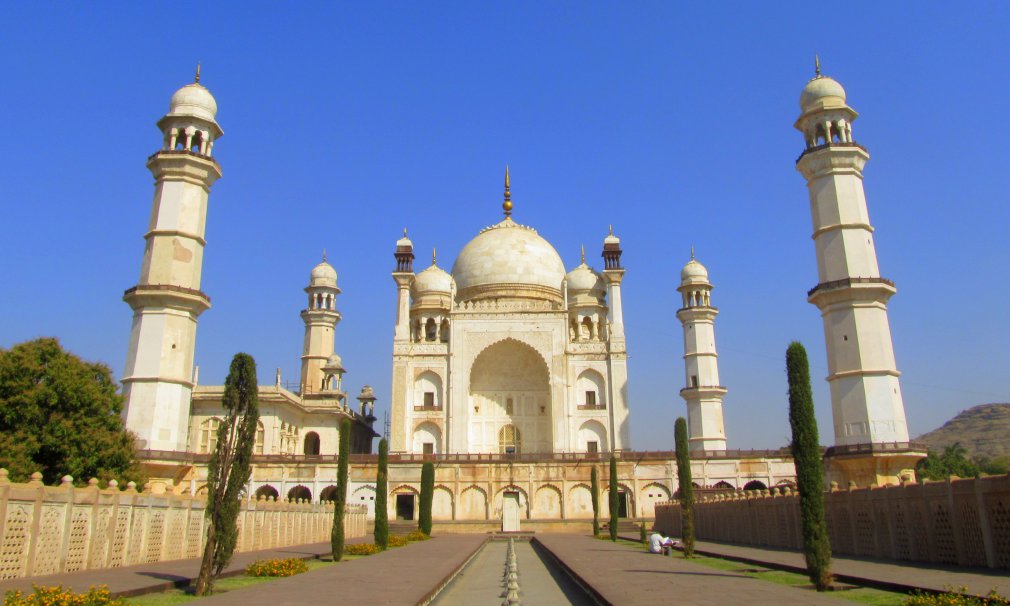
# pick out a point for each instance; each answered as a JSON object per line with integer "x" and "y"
{"x": 508, "y": 260}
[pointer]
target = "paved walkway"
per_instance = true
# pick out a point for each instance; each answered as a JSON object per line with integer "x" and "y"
{"x": 886, "y": 574}
{"x": 620, "y": 575}
{"x": 161, "y": 576}
{"x": 405, "y": 576}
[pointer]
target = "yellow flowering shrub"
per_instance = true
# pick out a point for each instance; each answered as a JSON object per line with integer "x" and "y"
{"x": 58, "y": 596}
{"x": 276, "y": 568}
{"x": 955, "y": 599}
{"x": 417, "y": 535}
{"x": 397, "y": 540}
{"x": 362, "y": 549}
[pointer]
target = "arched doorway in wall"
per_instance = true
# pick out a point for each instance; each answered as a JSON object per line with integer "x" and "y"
{"x": 328, "y": 494}
{"x": 427, "y": 439}
{"x": 300, "y": 492}
{"x": 592, "y": 438}
{"x": 311, "y": 443}
{"x": 267, "y": 491}
{"x": 510, "y": 387}
{"x": 755, "y": 485}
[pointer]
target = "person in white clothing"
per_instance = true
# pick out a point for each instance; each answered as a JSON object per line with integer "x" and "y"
{"x": 660, "y": 544}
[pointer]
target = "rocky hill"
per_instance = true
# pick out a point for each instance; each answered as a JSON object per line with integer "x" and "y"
{"x": 983, "y": 430}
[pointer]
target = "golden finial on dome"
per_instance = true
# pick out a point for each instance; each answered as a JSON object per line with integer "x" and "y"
{"x": 817, "y": 65}
{"x": 583, "y": 253}
{"x": 611, "y": 230}
{"x": 692, "y": 252}
{"x": 196, "y": 78}
{"x": 404, "y": 232}
{"x": 433, "y": 257}
{"x": 507, "y": 204}
{"x": 324, "y": 255}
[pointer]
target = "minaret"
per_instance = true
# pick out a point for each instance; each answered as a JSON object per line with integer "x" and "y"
{"x": 613, "y": 274}
{"x": 703, "y": 393}
{"x": 865, "y": 392}
{"x": 321, "y": 318}
{"x": 403, "y": 275}
{"x": 158, "y": 380}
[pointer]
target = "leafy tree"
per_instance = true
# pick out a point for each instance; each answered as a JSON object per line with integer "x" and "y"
{"x": 381, "y": 533}
{"x": 953, "y": 461}
{"x": 806, "y": 451}
{"x": 995, "y": 466}
{"x": 427, "y": 493}
{"x": 229, "y": 469}
{"x": 595, "y": 488}
{"x": 61, "y": 415}
{"x": 614, "y": 503}
{"x": 340, "y": 499}
{"x": 685, "y": 485}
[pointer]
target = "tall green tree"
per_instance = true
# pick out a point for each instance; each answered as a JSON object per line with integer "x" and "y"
{"x": 229, "y": 469}
{"x": 614, "y": 502}
{"x": 61, "y": 415}
{"x": 806, "y": 451}
{"x": 340, "y": 499}
{"x": 684, "y": 482}
{"x": 381, "y": 533}
{"x": 595, "y": 488}
{"x": 427, "y": 494}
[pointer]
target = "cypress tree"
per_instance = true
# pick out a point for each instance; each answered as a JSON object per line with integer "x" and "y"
{"x": 229, "y": 469}
{"x": 809, "y": 473}
{"x": 427, "y": 493}
{"x": 381, "y": 488}
{"x": 685, "y": 485}
{"x": 340, "y": 499}
{"x": 614, "y": 504}
{"x": 595, "y": 488}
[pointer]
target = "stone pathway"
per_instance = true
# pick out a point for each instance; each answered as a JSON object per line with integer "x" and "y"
{"x": 621, "y": 575}
{"x": 161, "y": 576}
{"x": 405, "y": 576}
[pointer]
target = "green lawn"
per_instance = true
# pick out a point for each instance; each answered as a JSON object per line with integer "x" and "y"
{"x": 861, "y": 595}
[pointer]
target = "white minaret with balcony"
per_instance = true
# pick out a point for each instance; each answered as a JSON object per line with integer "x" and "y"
{"x": 703, "y": 393}
{"x": 865, "y": 392}
{"x": 319, "y": 372}
{"x": 158, "y": 379}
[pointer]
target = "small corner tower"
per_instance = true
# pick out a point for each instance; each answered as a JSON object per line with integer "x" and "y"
{"x": 321, "y": 368}
{"x": 613, "y": 274}
{"x": 158, "y": 379}
{"x": 703, "y": 393}
{"x": 403, "y": 275}
{"x": 852, "y": 296}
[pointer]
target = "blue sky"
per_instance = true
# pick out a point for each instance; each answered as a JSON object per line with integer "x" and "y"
{"x": 673, "y": 122}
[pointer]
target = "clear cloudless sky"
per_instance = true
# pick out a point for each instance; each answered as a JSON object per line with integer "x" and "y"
{"x": 346, "y": 122}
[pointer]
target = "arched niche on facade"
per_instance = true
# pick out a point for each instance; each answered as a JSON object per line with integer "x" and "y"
{"x": 590, "y": 389}
{"x": 593, "y": 437}
{"x": 755, "y": 485}
{"x": 428, "y": 390}
{"x": 266, "y": 491}
{"x": 510, "y": 385}
{"x": 427, "y": 433}
{"x": 311, "y": 443}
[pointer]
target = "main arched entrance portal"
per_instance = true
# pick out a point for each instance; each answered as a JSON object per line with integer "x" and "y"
{"x": 510, "y": 399}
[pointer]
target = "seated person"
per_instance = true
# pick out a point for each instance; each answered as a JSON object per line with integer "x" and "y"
{"x": 660, "y": 544}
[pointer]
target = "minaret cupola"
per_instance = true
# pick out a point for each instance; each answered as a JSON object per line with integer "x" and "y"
{"x": 404, "y": 253}
{"x": 190, "y": 124}
{"x": 694, "y": 284}
{"x": 826, "y": 119}
{"x": 612, "y": 251}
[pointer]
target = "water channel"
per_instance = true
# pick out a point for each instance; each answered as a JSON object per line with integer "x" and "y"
{"x": 482, "y": 582}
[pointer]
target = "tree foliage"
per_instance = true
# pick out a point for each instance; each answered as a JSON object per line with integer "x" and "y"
{"x": 685, "y": 485}
{"x": 381, "y": 533}
{"x": 340, "y": 499}
{"x": 229, "y": 469}
{"x": 427, "y": 494}
{"x": 806, "y": 451}
{"x": 614, "y": 502}
{"x": 953, "y": 461}
{"x": 61, "y": 415}
{"x": 595, "y": 488}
